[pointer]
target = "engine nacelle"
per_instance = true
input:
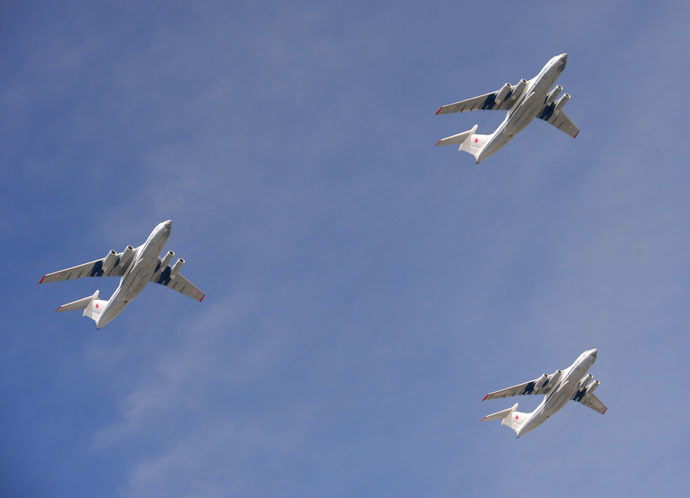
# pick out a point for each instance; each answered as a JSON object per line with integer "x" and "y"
{"x": 584, "y": 381}
{"x": 110, "y": 261}
{"x": 592, "y": 386}
{"x": 551, "y": 96}
{"x": 166, "y": 260}
{"x": 556, "y": 378}
{"x": 176, "y": 268}
{"x": 541, "y": 381}
{"x": 127, "y": 256}
{"x": 518, "y": 89}
{"x": 562, "y": 100}
{"x": 502, "y": 93}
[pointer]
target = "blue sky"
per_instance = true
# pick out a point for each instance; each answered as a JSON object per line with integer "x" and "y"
{"x": 364, "y": 289}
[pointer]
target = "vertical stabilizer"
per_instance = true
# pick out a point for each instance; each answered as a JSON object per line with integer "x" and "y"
{"x": 509, "y": 417}
{"x": 469, "y": 141}
{"x": 95, "y": 308}
{"x": 92, "y": 306}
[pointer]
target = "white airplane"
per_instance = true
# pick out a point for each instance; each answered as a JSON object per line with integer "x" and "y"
{"x": 524, "y": 102}
{"x": 573, "y": 383}
{"x": 136, "y": 267}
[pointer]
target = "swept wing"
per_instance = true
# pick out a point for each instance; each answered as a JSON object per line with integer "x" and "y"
{"x": 541, "y": 385}
{"x": 560, "y": 120}
{"x": 177, "y": 282}
{"x": 110, "y": 266}
{"x": 591, "y": 401}
{"x": 500, "y": 100}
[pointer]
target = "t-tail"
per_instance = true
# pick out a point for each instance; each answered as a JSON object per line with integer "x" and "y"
{"x": 92, "y": 306}
{"x": 469, "y": 141}
{"x": 510, "y": 417}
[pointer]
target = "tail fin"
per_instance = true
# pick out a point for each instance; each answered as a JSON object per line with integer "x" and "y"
{"x": 510, "y": 417}
{"x": 92, "y": 306}
{"x": 469, "y": 141}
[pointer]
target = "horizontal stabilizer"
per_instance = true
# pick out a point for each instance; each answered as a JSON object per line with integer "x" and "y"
{"x": 501, "y": 415}
{"x": 469, "y": 141}
{"x": 509, "y": 417}
{"x": 79, "y": 304}
{"x": 459, "y": 139}
{"x": 92, "y": 306}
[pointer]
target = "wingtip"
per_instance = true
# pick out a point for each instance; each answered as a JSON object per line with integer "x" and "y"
{"x": 604, "y": 411}
{"x": 202, "y": 298}
{"x": 439, "y": 110}
{"x": 41, "y": 281}
{"x": 436, "y": 144}
{"x": 484, "y": 398}
{"x": 58, "y": 309}
{"x": 578, "y": 132}
{"x": 482, "y": 420}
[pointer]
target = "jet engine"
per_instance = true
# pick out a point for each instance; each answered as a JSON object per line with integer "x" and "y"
{"x": 540, "y": 382}
{"x": 109, "y": 261}
{"x": 592, "y": 386}
{"x": 127, "y": 255}
{"x": 166, "y": 259}
{"x": 584, "y": 381}
{"x": 551, "y": 96}
{"x": 176, "y": 268}
{"x": 556, "y": 377}
{"x": 562, "y": 100}
{"x": 502, "y": 93}
{"x": 518, "y": 89}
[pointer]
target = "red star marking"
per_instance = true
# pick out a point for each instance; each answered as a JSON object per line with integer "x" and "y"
{"x": 97, "y": 308}
{"x": 476, "y": 140}
{"x": 516, "y": 417}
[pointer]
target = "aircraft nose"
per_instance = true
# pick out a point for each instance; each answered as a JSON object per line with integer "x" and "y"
{"x": 562, "y": 60}
{"x": 594, "y": 352}
{"x": 167, "y": 224}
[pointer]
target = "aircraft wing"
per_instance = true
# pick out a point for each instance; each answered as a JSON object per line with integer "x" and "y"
{"x": 560, "y": 120}
{"x": 591, "y": 401}
{"x": 105, "y": 267}
{"x": 178, "y": 283}
{"x": 537, "y": 386}
{"x": 486, "y": 102}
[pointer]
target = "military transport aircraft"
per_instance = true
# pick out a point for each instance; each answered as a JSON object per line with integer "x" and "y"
{"x": 524, "y": 102}
{"x": 136, "y": 267}
{"x": 573, "y": 383}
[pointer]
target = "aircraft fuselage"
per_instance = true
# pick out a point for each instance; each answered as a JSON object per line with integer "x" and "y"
{"x": 144, "y": 263}
{"x": 562, "y": 392}
{"x": 526, "y": 108}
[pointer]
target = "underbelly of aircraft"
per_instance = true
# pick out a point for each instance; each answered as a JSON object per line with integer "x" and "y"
{"x": 135, "y": 282}
{"x": 521, "y": 119}
{"x": 517, "y": 122}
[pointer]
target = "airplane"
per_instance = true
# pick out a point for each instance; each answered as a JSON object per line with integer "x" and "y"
{"x": 136, "y": 268}
{"x": 524, "y": 101}
{"x": 573, "y": 383}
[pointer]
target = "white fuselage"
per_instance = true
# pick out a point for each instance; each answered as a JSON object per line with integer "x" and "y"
{"x": 526, "y": 108}
{"x": 562, "y": 392}
{"x": 143, "y": 265}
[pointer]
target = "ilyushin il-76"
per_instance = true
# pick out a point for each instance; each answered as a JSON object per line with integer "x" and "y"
{"x": 573, "y": 383}
{"x": 524, "y": 101}
{"x": 136, "y": 267}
